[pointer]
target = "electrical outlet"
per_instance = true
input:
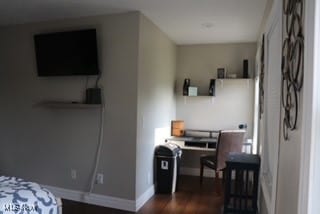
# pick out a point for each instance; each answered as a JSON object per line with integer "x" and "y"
{"x": 73, "y": 174}
{"x": 99, "y": 178}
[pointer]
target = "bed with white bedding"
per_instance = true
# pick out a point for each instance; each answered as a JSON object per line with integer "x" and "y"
{"x": 24, "y": 197}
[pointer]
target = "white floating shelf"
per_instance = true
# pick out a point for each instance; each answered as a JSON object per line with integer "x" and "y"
{"x": 68, "y": 105}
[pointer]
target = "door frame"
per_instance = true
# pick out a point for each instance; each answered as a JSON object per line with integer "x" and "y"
{"x": 274, "y": 19}
{"x": 309, "y": 187}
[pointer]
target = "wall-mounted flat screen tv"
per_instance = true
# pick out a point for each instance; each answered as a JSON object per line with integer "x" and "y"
{"x": 67, "y": 53}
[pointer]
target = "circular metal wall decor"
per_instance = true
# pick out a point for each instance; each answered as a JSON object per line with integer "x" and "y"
{"x": 292, "y": 63}
{"x": 261, "y": 79}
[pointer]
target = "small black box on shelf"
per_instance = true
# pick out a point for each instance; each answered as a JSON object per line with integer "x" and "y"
{"x": 245, "y": 69}
{"x": 93, "y": 96}
{"x": 212, "y": 87}
{"x": 221, "y": 73}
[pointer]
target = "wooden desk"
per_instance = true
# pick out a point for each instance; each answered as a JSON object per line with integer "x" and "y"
{"x": 195, "y": 143}
{"x": 199, "y": 143}
{"x": 210, "y": 133}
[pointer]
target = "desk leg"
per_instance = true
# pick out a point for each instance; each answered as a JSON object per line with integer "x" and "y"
{"x": 255, "y": 190}
{"x": 227, "y": 189}
{"x": 217, "y": 183}
{"x": 201, "y": 172}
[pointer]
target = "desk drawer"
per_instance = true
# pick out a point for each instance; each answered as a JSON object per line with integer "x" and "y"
{"x": 200, "y": 144}
{"x": 196, "y": 144}
{"x": 212, "y": 145}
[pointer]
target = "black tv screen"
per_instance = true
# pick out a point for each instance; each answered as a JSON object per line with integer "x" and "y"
{"x": 67, "y": 53}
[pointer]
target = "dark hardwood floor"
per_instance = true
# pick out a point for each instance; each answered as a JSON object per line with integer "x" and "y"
{"x": 191, "y": 198}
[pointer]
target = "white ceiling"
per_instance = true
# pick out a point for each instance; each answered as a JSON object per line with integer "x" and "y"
{"x": 184, "y": 21}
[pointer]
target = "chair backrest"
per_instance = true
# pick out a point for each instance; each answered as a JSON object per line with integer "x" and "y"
{"x": 228, "y": 141}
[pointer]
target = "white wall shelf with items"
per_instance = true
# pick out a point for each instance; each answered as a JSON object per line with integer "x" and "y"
{"x": 68, "y": 105}
{"x": 192, "y": 91}
{"x": 195, "y": 90}
{"x": 234, "y": 81}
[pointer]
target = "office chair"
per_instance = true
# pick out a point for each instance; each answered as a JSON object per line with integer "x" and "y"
{"x": 228, "y": 141}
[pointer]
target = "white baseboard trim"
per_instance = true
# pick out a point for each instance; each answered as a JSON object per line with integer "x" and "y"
{"x": 145, "y": 197}
{"x": 102, "y": 200}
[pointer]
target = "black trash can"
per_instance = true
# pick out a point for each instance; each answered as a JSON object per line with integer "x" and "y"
{"x": 167, "y": 160}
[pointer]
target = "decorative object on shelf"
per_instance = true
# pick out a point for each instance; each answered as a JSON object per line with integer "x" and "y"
{"x": 261, "y": 79}
{"x": 186, "y": 85}
{"x": 93, "y": 96}
{"x": 243, "y": 126}
{"x": 212, "y": 87}
{"x": 221, "y": 73}
{"x": 292, "y": 63}
{"x": 192, "y": 91}
{"x": 232, "y": 76}
{"x": 177, "y": 128}
{"x": 245, "y": 69}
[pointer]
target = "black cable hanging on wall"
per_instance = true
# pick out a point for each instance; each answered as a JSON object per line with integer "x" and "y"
{"x": 292, "y": 63}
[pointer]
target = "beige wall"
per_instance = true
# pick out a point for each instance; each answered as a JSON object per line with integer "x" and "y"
{"x": 290, "y": 161}
{"x": 262, "y": 204}
{"x": 266, "y": 14}
{"x": 138, "y": 64}
{"x": 233, "y": 103}
{"x": 289, "y": 172}
{"x": 156, "y": 101}
{"x": 43, "y": 144}
{"x": 233, "y": 97}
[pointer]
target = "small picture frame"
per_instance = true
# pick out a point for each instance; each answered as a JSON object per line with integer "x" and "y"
{"x": 221, "y": 73}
